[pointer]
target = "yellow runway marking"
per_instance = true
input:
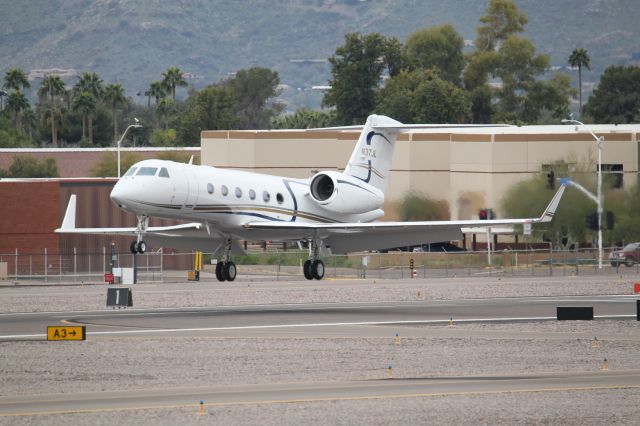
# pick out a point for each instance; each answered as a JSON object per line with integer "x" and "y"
{"x": 320, "y": 399}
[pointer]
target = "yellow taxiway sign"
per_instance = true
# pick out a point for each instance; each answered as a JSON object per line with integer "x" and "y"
{"x": 66, "y": 333}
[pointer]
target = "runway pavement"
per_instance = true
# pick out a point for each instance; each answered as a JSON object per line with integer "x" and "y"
{"x": 313, "y": 392}
{"x": 127, "y": 322}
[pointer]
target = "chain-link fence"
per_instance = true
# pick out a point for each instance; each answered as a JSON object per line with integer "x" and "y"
{"x": 282, "y": 265}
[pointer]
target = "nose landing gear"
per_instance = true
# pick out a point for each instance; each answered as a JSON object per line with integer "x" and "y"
{"x": 138, "y": 245}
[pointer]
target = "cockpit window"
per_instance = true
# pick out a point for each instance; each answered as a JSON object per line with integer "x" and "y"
{"x": 147, "y": 171}
{"x": 131, "y": 171}
{"x": 163, "y": 173}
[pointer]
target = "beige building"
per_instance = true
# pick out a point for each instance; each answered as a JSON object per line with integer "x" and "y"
{"x": 470, "y": 168}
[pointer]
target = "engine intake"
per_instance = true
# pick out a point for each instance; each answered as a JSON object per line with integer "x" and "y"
{"x": 340, "y": 193}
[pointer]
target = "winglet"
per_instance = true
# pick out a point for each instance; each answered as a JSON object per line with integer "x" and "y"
{"x": 553, "y": 205}
{"x": 69, "y": 221}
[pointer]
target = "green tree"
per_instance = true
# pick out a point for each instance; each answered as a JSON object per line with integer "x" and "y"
{"x": 616, "y": 99}
{"x": 439, "y": 101}
{"x": 417, "y": 207}
{"x": 580, "y": 58}
{"x": 163, "y": 138}
{"x": 89, "y": 85}
{"x": 396, "y": 98}
{"x": 114, "y": 96}
{"x": 423, "y": 97}
{"x": 15, "y": 79}
{"x": 85, "y": 103}
{"x": 52, "y": 86}
{"x": 17, "y": 103}
{"x": 30, "y": 167}
{"x": 502, "y": 20}
{"x": 9, "y": 136}
{"x": 108, "y": 164}
{"x": 173, "y": 78}
{"x": 164, "y": 110}
{"x": 503, "y": 55}
{"x": 305, "y": 118}
{"x": 438, "y": 47}
{"x": 253, "y": 92}
{"x": 157, "y": 90}
{"x": 356, "y": 71}
{"x": 212, "y": 109}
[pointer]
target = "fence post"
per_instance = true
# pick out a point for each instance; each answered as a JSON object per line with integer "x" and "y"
{"x": 104, "y": 261}
{"x": 46, "y": 264}
{"x": 15, "y": 266}
{"x": 59, "y": 267}
{"x": 446, "y": 264}
{"x": 468, "y": 264}
{"x": 550, "y": 259}
{"x": 161, "y": 264}
{"x": 577, "y": 260}
{"x": 30, "y": 266}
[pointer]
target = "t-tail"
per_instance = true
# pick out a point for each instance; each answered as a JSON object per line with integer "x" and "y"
{"x": 371, "y": 159}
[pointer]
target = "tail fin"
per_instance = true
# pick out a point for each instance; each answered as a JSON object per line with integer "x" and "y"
{"x": 69, "y": 221}
{"x": 371, "y": 158}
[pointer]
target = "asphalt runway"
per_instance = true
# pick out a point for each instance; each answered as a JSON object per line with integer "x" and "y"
{"x": 91, "y": 402}
{"x": 127, "y": 322}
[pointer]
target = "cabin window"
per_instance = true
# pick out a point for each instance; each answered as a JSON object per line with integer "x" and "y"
{"x": 224, "y": 190}
{"x": 266, "y": 196}
{"x": 238, "y": 192}
{"x": 280, "y": 198}
{"x": 147, "y": 171}
{"x": 164, "y": 172}
{"x": 252, "y": 194}
{"x": 131, "y": 171}
{"x": 210, "y": 188}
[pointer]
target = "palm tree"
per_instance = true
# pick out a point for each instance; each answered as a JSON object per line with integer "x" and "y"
{"x": 86, "y": 104}
{"x": 172, "y": 78}
{"x": 51, "y": 86}
{"x": 164, "y": 109}
{"x": 114, "y": 95}
{"x": 157, "y": 90}
{"x": 580, "y": 58}
{"x": 89, "y": 84}
{"x": 16, "y": 79}
{"x": 17, "y": 102}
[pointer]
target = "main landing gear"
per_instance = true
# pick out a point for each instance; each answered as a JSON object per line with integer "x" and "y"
{"x": 313, "y": 267}
{"x": 139, "y": 246}
{"x": 226, "y": 269}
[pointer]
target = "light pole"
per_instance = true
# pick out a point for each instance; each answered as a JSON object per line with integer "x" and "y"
{"x": 122, "y": 137}
{"x": 599, "y": 143}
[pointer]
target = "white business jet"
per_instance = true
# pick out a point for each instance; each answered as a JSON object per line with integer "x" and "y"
{"x": 331, "y": 210}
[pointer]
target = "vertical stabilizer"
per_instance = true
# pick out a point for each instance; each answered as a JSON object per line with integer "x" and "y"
{"x": 69, "y": 221}
{"x": 371, "y": 158}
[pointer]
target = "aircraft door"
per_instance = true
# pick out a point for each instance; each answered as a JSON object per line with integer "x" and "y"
{"x": 192, "y": 190}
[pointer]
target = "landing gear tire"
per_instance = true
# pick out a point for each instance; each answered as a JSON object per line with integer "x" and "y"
{"x": 317, "y": 269}
{"x": 134, "y": 247}
{"x": 229, "y": 272}
{"x": 142, "y": 247}
{"x": 219, "y": 270}
{"x": 306, "y": 269}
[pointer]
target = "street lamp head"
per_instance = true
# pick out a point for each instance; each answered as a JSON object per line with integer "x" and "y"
{"x": 136, "y": 120}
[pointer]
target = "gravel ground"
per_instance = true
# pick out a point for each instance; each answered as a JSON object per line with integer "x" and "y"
{"x": 36, "y": 298}
{"x": 36, "y": 367}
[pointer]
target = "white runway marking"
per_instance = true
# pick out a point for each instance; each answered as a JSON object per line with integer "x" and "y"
{"x": 331, "y": 324}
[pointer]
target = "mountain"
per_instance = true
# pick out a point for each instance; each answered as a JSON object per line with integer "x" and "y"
{"x": 134, "y": 41}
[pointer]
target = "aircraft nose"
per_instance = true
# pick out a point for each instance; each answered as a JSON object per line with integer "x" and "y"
{"x": 119, "y": 194}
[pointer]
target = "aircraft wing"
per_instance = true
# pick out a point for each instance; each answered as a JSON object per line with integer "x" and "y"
{"x": 187, "y": 236}
{"x": 347, "y": 237}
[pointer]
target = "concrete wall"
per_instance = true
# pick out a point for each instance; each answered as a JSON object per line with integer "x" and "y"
{"x": 470, "y": 169}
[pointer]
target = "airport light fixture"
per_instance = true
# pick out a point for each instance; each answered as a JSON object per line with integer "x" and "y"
{"x": 599, "y": 142}
{"x": 136, "y": 125}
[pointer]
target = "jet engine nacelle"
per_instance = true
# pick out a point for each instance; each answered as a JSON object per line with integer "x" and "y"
{"x": 340, "y": 193}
